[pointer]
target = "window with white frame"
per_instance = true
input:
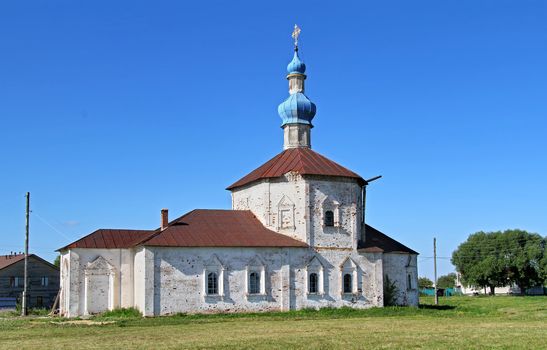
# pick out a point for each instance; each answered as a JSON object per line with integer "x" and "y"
{"x": 254, "y": 282}
{"x": 313, "y": 282}
{"x": 348, "y": 277}
{"x": 331, "y": 212}
{"x": 212, "y": 283}
{"x": 329, "y": 218}
{"x": 213, "y": 278}
{"x": 256, "y": 277}
{"x": 315, "y": 277}
{"x": 348, "y": 283}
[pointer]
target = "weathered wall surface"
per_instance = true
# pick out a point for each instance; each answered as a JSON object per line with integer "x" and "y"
{"x": 139, "y": 279}
{"x": 343, "y": 198}
{"x": 402, "y": 269}
{"x": 295, "y": 206}
{"x": 179, "y": 279}
{"x": 76, "y": 261}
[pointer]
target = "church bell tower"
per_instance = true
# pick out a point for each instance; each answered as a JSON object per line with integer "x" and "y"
{"x": 297, "y": 111}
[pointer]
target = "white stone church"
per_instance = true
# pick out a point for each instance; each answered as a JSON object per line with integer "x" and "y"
{"x": 295, "y": 238}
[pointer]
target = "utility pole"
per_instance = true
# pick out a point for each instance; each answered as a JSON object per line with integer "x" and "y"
{"x": 435, "y": 268}
{"x": 25, "y": 282}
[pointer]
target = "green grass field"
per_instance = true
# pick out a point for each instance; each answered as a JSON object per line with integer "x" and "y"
{"x": 458, "y": 323}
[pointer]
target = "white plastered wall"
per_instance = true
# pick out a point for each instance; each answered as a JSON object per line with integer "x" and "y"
{"x": 398, "y": 267}
{"x": 179, "y": 279}
{"x": 75, "y": 280}
{"x": 311, "y": 197}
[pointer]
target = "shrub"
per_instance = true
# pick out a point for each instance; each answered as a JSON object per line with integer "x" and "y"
{"x": 390, "y": 292}
{"x": 129, "y": 312}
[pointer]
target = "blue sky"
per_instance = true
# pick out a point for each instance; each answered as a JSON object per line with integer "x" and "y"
{"x": 111, "y": 111}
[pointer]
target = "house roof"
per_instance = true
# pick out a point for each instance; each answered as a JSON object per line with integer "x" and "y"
{"x": 198, "y": 228}
{"x": 110, "y": 239}
{"x": 301, "y": 160}
{"x": 219, "y": 228}
{"x": 376, "y": 241}
{"x": 8, "y": 260}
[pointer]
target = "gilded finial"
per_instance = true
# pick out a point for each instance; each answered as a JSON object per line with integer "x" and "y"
{"x": 295, "y": 35}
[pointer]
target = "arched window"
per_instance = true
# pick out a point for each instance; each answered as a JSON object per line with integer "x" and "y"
{"x": 254, "y": 283}
{"x": 212, "y": 283}
{"x": 409, "y": 282}
{"x": 348, "y": 288}
{"x": 312, "y": 285}
{"x": 329, "y": 218}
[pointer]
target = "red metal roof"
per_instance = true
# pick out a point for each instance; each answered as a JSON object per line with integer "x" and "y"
{"x": 111, "y": 239}
{"x": 219, "y": 228}
{"x": 301, "y": 160}
{"x": 198, "y": 228}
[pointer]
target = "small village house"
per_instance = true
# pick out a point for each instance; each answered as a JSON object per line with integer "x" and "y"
{"x": 43, "y": 280}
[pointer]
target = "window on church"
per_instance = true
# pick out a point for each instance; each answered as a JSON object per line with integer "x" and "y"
{"x": 313, "y": 282}
{"x": 348, "y": 288}
{"x": 254, "y": 283}
{"x": 409, "y": 282}
{"x": 212, "y": 283}
{"x": 329, "y": 218}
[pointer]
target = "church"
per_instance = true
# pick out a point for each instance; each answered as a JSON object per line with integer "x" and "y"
{"x": 295, "y": 238}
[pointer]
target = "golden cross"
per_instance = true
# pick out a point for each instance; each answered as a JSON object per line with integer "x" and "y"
{"x": 296, "y": 34}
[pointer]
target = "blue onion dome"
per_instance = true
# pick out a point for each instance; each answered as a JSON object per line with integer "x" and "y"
{"x": 297, "y": 108}
{"x": 296, "y": 66}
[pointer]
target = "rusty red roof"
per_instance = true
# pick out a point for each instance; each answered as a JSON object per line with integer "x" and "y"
{"x": 111, "y": 239}
{"x": 377, "y": 241}
{"x": 198, "y": 228}
{"x": 7, "y": 260}
{"x": 301, "y": 160}
{"x": 219, "y": 228}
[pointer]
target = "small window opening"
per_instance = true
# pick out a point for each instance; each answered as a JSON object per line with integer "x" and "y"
{"x": 348, "y": 288}
{"x": 254, "y": 283}
{"x": 212, "y": 283}
{"x": 329, "y": 218}
{"x": 45, "y": 281}
{"x": 409, "y": 282}
{"x": 313, "y": 283}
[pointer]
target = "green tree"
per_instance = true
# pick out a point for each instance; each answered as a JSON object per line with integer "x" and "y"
{"x": 494, "y": 259}
{"x": 447, "y": 281}
{"x": 523, "y": 254}
{"x": 477, "y": 259}
{"x": 57, "y": 261}
{"x": 390, "y": 292}
{"x": 424, "y": 282}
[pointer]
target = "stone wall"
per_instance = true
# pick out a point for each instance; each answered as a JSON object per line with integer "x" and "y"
{"x": 74, "y": 263}
{"x": 179, "y": 279}
{"x": 402, "y": 269}
{"x": 295, "y": 206}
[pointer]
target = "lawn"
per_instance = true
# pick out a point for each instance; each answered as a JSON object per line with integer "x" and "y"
{"x": 458, "y": 323}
